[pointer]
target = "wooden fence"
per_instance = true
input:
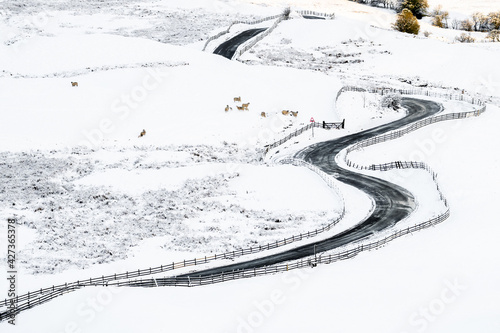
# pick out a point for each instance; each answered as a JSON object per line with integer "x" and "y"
{"x": 251, "y": 43}
{"x": 193, "y": 280}
{"x": 418, "y": 91}
{"x": 222, "y": 33}
{"x": 302, "y": 130}
{"x": 313, "y": 13}
{"x": 269, "y": 18}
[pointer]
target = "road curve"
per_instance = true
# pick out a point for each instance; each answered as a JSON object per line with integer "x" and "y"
{"x": 228, "y": 48}
{"x": 392, "y": 202}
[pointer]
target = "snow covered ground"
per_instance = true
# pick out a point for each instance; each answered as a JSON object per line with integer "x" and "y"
{"x": 92, "y": 198}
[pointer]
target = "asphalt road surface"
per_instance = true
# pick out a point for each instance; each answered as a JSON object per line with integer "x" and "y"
{"x": 228, "y": 48}
{"x": 310, "y": 17}
{"x": 392, "y": 202}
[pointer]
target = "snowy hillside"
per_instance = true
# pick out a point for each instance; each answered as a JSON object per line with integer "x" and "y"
{"x": 92, "y": 196}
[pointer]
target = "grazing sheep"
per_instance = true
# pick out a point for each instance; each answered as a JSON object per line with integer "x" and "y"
{"x": 285, "y": 112}
{"x": 240, "y": 108}
{"x": 237, "y": 99}
{"x": 74, "y": 84}
{"x": 294, "y": 113}
{"x": 142, "y": 133}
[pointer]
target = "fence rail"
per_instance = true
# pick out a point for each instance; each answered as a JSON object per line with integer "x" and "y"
{"x": 420, "y": 91}
{"x": 251, "y": 43}
{"x": 313, "y": 13}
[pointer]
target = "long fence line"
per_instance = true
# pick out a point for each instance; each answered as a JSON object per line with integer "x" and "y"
{"x": 42, "y": 295}
{"x": 251, "y": 43}
{"x": 222, "y": 33}
{"x": 193, "y": 280}
{"x": 313, "y": 13}
{"x": 247, "y": 46}
{"x": 417, "y": 91}
{"x": 413, "y": 127}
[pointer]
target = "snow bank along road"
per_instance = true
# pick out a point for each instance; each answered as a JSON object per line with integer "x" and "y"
{"x": 392, "y": 202}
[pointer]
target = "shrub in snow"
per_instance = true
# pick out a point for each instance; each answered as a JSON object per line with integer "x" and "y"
{"x": 494, "y": 20}
{"x": 286, "y": 12}
{"x": 392, "y": 101}
{"x": 465, "y": 38}
{"x": 406, "y": 22}
{"x": 494, "y": 35}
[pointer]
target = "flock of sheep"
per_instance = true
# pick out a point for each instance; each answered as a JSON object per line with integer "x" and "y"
{"x": 244, "y": 106}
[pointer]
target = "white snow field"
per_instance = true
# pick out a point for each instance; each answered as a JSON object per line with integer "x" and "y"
{"x": 93, "y": 198}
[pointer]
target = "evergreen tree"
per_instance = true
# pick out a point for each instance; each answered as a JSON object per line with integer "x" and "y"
{"x": 417, "y": 7}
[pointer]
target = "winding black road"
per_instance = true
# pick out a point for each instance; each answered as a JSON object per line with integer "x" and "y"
{"x": 228, "y": 48}
{"x": 392, "y": 202}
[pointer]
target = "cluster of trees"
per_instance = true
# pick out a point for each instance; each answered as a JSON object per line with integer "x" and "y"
{"x": 478, "y": 22}
{"x": 410, "y": 11}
